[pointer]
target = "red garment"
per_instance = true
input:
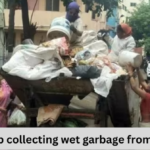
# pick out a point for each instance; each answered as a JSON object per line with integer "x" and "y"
{"x": 126, "y": 28}
{"x": 145, "y": 108}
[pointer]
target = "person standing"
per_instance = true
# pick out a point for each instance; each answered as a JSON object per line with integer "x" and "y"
{"x": 76, "y": 24}
{"x": 123, "y": 41}
{"x": 143, "y": 92}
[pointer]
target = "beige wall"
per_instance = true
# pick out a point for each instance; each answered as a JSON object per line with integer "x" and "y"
{"x": 43, "y": 23}
{"x": 61, "y": 7}
{"x": 18, "y": 37}
{"x": 43, "y": 19}
{"x": 31, "y": 4}
{"x": 40, "y": 35}
{"x": 42, "y": 3}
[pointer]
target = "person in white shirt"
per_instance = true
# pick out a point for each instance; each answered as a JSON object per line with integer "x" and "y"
{"x": 76, "y": 24}
{"x": 123, "y": 41}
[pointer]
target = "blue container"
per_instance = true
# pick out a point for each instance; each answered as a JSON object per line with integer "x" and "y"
{"x": 113, "y": 21}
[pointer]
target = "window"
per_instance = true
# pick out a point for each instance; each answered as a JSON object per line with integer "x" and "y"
{"x": 124, "y": 7}
{"x": 133, "y": 4}
{"x": 52, "y": 5}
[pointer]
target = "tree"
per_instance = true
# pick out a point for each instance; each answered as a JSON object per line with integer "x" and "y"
{"x": 140, "y": 23}
{"x": 25, "y": 18}
{"x": 12, "y": 5}
{"x": 10, "y": 40}
{"x": 97, "y": 6}
{"x": 29, "y": 29}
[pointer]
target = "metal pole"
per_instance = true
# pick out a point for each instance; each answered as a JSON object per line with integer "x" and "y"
{"x": 2, "y": 33}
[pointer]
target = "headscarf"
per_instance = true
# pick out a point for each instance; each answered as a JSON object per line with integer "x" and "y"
{"x": 73, "y": 5}
{"x": 127, "y": 29}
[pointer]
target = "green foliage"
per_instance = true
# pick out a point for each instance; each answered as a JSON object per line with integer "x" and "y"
{"x": 139, "y": 43}
{"x": 140, "y": 23}
{"x": 147, "y": 46}
{"x": 8, "y": 2}
{"x": 97, "y": 6}
{"x": 66, "y": 2}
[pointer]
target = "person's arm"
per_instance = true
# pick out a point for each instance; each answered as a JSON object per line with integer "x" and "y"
{"x": 134, "y": 87}
{"x": 109, "y": 39}
{"x": 77, "y": 28}
{"x": 142, "y": 81}
{"x": 76, "y": 31}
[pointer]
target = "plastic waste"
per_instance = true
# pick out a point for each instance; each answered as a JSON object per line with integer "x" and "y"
{"x": 88, "y": 72}
{"x": 17, "y": 118}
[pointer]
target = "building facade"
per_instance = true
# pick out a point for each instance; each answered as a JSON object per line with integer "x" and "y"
{"x": 122, "y": 13}
{"x": 45, "y": 11}
{"x": 127, "y": 7}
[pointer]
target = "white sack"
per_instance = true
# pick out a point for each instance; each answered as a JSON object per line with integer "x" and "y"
{"x": 36, "y": 62}
{"x": 89, "y": 37}
{"x": 17, "y": 118}
{"x": 126, "y": 57}
{"x": 26, "y": 47}
{"x": 22, "y": 57}
{"x": 88, "y": 102}
{"x": 64, "y": 70}
{"x": 48, "y": 69}
{"x": 98, "y": 47}
{"x": 113, "y": 57}
{"x": 103, "y": 84}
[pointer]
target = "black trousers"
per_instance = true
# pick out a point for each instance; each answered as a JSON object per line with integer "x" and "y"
{"x": 117, "y": 104}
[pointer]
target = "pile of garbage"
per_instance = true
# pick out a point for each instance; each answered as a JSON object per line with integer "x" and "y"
{"x": 55, "y": 57}
{"x": 48, "y": 60}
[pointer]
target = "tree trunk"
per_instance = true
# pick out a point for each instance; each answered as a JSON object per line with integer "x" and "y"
{"x": 25, "y": 19}
{"x": 11, "y": 25}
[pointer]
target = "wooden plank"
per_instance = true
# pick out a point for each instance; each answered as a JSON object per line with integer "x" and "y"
{"x": 34, "y": 111}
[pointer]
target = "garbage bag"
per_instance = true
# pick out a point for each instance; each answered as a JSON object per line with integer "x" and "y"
{"x": 88, "y": 72}
{"x": 83, "y": 55}
{"x": 17, "y": 118}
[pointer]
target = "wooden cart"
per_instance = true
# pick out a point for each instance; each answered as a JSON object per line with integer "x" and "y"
{"x": 34, "y": 94}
